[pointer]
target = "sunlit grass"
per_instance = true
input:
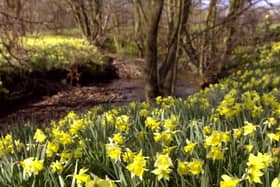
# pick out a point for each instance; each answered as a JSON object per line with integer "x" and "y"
{"x": 53, "y": 41}
{"x": 49, "y": 51}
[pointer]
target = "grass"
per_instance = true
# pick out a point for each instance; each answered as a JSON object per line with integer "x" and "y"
{"x": 59, "y": 51}
{"x": 49, "y": 51}
{"x": 224, "y": 135}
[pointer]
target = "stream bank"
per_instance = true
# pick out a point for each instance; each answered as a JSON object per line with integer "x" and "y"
{"x": 127, "y": 87}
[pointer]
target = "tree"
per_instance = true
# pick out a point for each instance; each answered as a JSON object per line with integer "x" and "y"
{"x": 235, "y": 8}
{"x": 161, "y": 76}
{"x": 19, "y": 18}
{"x": 13, "y": 26}
{"x": 151, "y": 60}
{"x": 214, "y": 33}
{"x": 89, "y": 17}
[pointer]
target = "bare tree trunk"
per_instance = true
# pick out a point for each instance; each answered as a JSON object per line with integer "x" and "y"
{"x": 151, "y": 85}
{"x": 13, "y": 27}
{"x": 207, "y": 55}
{"x": 234, "y": 9}
{"x": 188, "y": 47}
{"x": 88, "y": 15}
{"x": 168, "y": 69}
{"x": 139, "y": 21}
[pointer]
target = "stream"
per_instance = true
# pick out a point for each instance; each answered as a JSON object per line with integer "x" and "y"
{"x": 80, "y": 99}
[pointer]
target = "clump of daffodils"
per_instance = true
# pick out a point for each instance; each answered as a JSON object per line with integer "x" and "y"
{"x": 138, "y": 166}
{"x": 152, "y": 123}
{"x": 114, "y": 151}
{"x": 57, "y": 167}
{"x": 9, "y": 146}
{"x": 32, "y": 166}
{"x": 195, "y": 167}
{"x": 163, "y": 166}
{"x": 256, "y": 164}
{"x": 84, "y": 179}
{"x": 229, "y": 181}
{"x": 39, "y": 136}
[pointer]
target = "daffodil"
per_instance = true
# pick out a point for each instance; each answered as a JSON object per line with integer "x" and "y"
{"x": 109, "y": 117}
{"x": 162, "y": 166}
{"x": 255, "y": 162}
{"x": 216, "y": 138}
{"x": 62, "y": 137}
{"x": 132, "y": 105}
{"x": 138, "y": 166}
{"x": 118, "y": 138}
{"x": 98, "y": 182}
{"x": 78, "y": 153}
{"x": 266, "y": 159}
{"x": 249, "y": 128}
{"x": 170, "y": 123}
{"x": 182, "y": 168}
{"x": 270, "y": 122}
{"x": 229, "y": 181}
{"x": 165, "y": 137}
{"x": 7, "y": 145}
{"x": 275, "y": 183}
{"x": 52, "y": 149}
{"x": 128, "y": 155}
{"x": 32, "y": 166}
{"x": 237, "y": 133}
{"x": 215, "y": 153}
{"x": 71, "y": 115}
{"x": 254, "y": 175}
{"x": 122, "y": 123}
{"x": 56, "y": 167}
{"x": 249, "y": 147}
{"x": 257, "y": 111}
{"x": 113, "y": 151}
{"x": 152, "y": 123}
{"x": 207, "y": 130}
{"x": 65, "y": 138}
{"x": 65, "y": 156}
{"x": 143, "y": 112}
{"x": 189, "y": 147}
{"x": 39, "y": 136}
{"x": 255, "y": 166}
{"x": 77, "y": 126}
{"x": 168, "y": 149}
{"x": 273, "y": 137}
{"x": 82, "y": 178}
{"x": 195, "y": 167}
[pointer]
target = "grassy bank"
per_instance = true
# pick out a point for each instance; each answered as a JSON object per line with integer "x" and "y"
{"x": 49, "y": 51}
{"x": 50, "y": 63}
{"x": 224, "y": 135}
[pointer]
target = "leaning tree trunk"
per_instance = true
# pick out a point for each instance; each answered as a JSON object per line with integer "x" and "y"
{"x": 151, "y": 84}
